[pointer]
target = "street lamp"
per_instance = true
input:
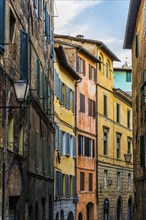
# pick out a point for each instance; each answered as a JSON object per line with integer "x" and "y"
{"x": 21, "y": 89}
{"x": 128, "y": 157}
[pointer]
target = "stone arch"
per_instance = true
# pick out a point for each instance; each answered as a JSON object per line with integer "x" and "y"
{"x": 90, "y": 211}
{"x": 14, "y": 179}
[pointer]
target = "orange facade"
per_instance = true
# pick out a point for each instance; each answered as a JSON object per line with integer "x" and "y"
{"x": 86, "y": 133}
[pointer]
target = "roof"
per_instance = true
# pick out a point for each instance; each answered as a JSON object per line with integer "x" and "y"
{"x": 80, "y": 49}
{"x": 63, "y": 61}
{"x": 123, "y": 96}
{"x": 121, "y": 69}
{"x": 131, "y": 23}
{"x": 98, "y": 43}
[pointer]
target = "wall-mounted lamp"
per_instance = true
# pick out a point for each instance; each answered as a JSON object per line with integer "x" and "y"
{"x": 21, "y": 89}
{"x": 128, "y": 157}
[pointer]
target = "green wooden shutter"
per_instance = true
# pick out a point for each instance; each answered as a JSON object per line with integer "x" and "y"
{"x": 35, "y": 2}
{"x": 60, "y": 140}
{"x": 43, "y": 154}
{"x": 56, "y": 137}
{"x": 67, "y": 185}
{"x": 74, "y": 186}
{"x": 74, "y": 146}
{"x": 36, "y": 149}
{"x": 67, "y": 143}
{"x": 57, "y": 183}
{"x": 40, "y": 8}
{"x": 73, "y": 101}
{"x": 24, "y": 55}
{"x": 2, "y": 25}
{"x": 142, "y": 151}
{"x": 60, "y": 185}
{"x": 90, "y": 181}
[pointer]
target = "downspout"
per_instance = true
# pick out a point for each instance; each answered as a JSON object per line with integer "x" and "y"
{"x": 96, "y": 137}
{"x": 76, "y": 83}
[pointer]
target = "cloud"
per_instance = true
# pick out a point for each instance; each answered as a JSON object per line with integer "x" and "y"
{"x": 112, "y": 41}
{"x": 123, "y": 55}
{"x": 67, "y": 11}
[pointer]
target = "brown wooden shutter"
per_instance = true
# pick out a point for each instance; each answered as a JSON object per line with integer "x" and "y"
{"x": 90, "y": 181}
{"x": 82, "y": 179}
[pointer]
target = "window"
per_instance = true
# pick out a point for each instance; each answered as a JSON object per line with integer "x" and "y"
{"x": 92, "y": 73}
{"x": 56, "y": 137}
{"x": 105, "y": 105}
{"x": 118, "y": 145}
{"x": 105, "y": 142}
{"x": 107, "y": 70}
{"x": 58, "y": 188}
{"x": 82, "y": 103}
{"x": 129, "y": 147}
{"x": 47, "y": 24}
{"x": 90, "y": 181}
{"x": 21, "y": 140}
{"x": 129, "y": 180}
{"x": 38, "y": 78}
{"x": 24, "y": 55}
{"x": 105, "y": 179}
{"x": 67, "y": 186}
{"x": 118, "y": 113}
{"x": 118, "y": 180}
{"x": 43, "y": 155}
{"x": 91, "y": 108}
{"x": 72, "y": 146}
{"x": 128, "y": 118}
{"x": 85, "y": 146}
{"x": 38, "y": 7}
{"x": 128, "y": 77}
{"x": 36, "y": 149}
{"x": 2, "y": 25}
{"x": 11, "y": 132}
{"x": 81, "y": 65}
{"x": 136, "y": 45}
{"x": 100, "y": 63}
{"x": 12, "y": 27}
{"x": 82, "y": 180}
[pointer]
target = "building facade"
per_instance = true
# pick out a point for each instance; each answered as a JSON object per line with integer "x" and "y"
{"x": 135, "y": 40}
{"x": 114, "y": 191}
{"x": 65, "y": 79}
{"x": 123, "y": 79}
{"x": 26, "y": 130}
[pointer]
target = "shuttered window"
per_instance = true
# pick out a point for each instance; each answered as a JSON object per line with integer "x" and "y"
{"x": 142, "y": 150}
{"x": 118, "y": 145}
{"x": 90, "y": 72}
{"x": 82, "y": 103}
{"x": 67, "y": 97}
{"x": 74, "y": 146}
{"x": 43, "y": 88}
{"x": 67, "y": 187}
{"x": 95, "y": 75}
{"x": 118, "y": 113}
{"x": 105, "y": 105}
{"x": 58, "y": 184}
{"x": 24, "y": 55}
{"x": 56, "y": 137}
{"x": 90, "y": 181}
{"x": 105, "y": 142}
{"x": 74, "y": 185}
{"x": 43, "y": 154}
{"x": 60, "y": 140}
{"x": 136, "y": 45}
{"x": 77, "y": 63}
{"x": 128, "y": 118}
{"x": 128, "y": 77}
{"x": 67, "y": 144}
{"x": 56, "y": 84}
{"x": 82, "y": 181}
{"x": 73, "y": 101}
{"x": 84, "y": 67}
{"x": 40, "y": 7}
{"x": 38, "y": 78}
{"x": 52, "y": 44}
{"x": 36, "y": 149}
{"x": 47, "y": 23}
{"x": 47, "y": 97}
{"x": 2, "y": 25}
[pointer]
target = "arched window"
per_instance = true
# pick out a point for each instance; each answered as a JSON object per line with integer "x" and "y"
{"x": 80, "y": 216}
{"x": 130, "y": 209}
{"x": 90, "y": 211}
{"x": 106, "y": 209}
{"x": 101, "y": 63}
{"x": 119, "y": 209}
{"x": 62, "y": 215}
{"x": 70, "y": 216}
{"x": 57, "y": 216}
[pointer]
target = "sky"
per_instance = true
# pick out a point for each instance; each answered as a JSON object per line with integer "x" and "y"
{"x": 103, "y": 20}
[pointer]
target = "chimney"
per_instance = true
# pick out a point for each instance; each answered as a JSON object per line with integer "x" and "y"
{"x": 80, "y": 36}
